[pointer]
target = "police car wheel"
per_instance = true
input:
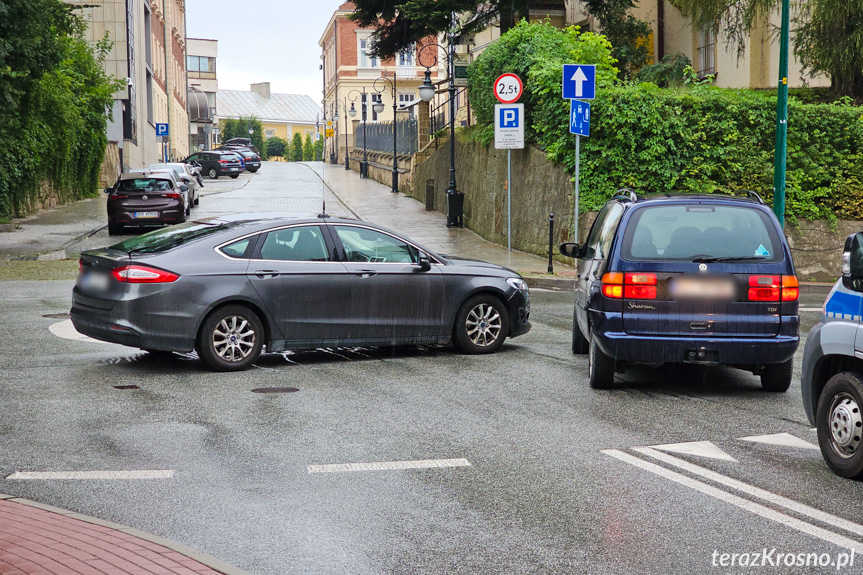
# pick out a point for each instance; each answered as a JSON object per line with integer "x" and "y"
{"x": 777, "y": 377}
{"x": 839, "y": 420}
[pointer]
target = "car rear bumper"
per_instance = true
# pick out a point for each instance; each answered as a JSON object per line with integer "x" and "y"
{"x": 126, "y": 217}
{"x": 652, "y": 349}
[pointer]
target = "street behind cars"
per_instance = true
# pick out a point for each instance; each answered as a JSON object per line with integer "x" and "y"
{"x": 228, "y": 286}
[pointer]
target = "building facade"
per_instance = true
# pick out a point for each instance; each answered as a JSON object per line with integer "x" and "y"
{"x": 202, "y": 93}
{"x": 282, "y": 115}
{"x": 149, "y": 53}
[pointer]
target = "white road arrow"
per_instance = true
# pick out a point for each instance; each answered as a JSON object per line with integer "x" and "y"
{"x": 579, "y": 78}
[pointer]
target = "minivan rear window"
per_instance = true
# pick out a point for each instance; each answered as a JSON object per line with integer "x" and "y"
{"x": 701, "y": 232}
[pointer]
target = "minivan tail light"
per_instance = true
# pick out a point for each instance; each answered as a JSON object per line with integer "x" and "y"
{"x": 138, "y": 274}
{"x": 764, "y": 288}
{"x": 640, "y": 286}
{"x": 612, "y": 285}
{"x": 790, "y": 288}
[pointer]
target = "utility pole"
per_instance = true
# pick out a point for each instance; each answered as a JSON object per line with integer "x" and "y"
{"x": 781, "y": 120}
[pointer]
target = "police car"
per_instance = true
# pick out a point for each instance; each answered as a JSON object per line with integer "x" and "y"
{"x": 832, "y": 382}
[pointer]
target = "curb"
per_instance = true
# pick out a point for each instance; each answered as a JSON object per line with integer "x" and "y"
{"x": 565, "y": 284}
{"x": 203, "y": 558}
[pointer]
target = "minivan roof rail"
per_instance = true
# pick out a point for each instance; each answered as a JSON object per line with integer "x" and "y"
{"x": 626, "y": 194}
{"x": 751, "y": 194}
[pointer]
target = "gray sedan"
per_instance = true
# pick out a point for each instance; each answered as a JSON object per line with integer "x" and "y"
{"x": 230, "y": 285}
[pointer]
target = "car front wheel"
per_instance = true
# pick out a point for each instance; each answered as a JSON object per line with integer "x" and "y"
{"x": 231, "y": 339}
{"x": 481, "y": 325}
{"x": 840, "y": 424}
{"x": 600, "y": 367}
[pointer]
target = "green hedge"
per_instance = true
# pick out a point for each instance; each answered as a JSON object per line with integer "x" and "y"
{"x": 701, "y": 139}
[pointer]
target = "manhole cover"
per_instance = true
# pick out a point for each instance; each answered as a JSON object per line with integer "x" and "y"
{"x": 275, "y": 390}
{"x": 57, "y": 315}
{"x": 126, "y": 387}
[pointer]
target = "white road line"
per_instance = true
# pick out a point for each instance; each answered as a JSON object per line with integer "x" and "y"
{"x": 737, "y": 501}
{"x": 809, "y": 309}
{"x": 782, "y": 439}
{"x": 389, "y": 465}
{"x": 699, "y": 448}
{"x": 140, "y": 474}
{"x": 756, "y": 492}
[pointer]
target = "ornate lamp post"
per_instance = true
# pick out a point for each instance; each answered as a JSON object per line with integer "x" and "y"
{"x": 455, "y": 199}
{"x": 364, "y": 165}
{"x": 379, "y": 107}
{"x": 344, "y": 106}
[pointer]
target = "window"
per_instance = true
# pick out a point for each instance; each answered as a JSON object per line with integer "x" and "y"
{"x": 150, "y": 97}
{"x": 686, "y": 231}
{"x": 372, "y": 116}
{"x": 269, "y": 133}
{"x": 706, "y": 52}
{"x": 365, "y": 245}
{"x": 603, "y": 230}
{"x": 201, "y": 64}
{"x": 238, "y": 249}
{"x": 405, "y": 99}
{"x": 406, "y": 57}
{"x": 300, "y": 244}
{"x": 364, "y": 59}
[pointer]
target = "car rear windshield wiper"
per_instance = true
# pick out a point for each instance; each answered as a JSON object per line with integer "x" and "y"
{"x": 709, "y": 259}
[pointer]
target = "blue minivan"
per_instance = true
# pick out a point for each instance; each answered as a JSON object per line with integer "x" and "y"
{"x": 704, "y": 279}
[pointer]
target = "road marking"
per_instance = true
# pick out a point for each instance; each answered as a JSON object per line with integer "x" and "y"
{"x": 140, "y": 474}
{"x": 64, "y": 329}
{"x": 756, "y": 492}
{"x": 810, "y": 309}
{"x": 699, "y": 448}
{"x": 783, "y": 439}
{"x": 389, "y": 465}
{"x": 751, "y": 506}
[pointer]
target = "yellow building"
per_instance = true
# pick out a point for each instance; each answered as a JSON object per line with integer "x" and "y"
{"x": 282, "y": 115}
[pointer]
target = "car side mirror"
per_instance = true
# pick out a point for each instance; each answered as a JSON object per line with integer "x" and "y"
{"x": 424, "y": 262}
{"x": 107, "y": 190}
{"x": 852, "y": 262}
{"x": 569, "y": 249}
{"x": 184, "y": 187}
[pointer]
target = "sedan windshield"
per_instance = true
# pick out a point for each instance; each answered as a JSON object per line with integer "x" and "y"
{"x": 701, "y": 232}
{"x": 170, "y": 237}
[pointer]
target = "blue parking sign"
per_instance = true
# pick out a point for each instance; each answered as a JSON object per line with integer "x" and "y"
{"x": 161, "y": 129}
{"x": 579, "y": 118}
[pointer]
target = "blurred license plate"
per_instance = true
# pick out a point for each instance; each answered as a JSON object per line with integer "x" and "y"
{"x": 701, "y": 288}
{"x": 139, "y": 215}
{"x": 94, "y": 281}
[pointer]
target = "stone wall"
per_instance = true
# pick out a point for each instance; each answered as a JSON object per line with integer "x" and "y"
{"x": 541, "y": 188}
{"x": 381, "y": 168}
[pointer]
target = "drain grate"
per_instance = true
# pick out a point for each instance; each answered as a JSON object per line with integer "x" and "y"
{"x": 126, "y": 387}
{"x": 275, "y": 390}
{"x": 57, "y": 315}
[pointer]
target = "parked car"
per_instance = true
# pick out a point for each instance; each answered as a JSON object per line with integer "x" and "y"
{"x": 832, "y": 382}
{"x": 705, "y": 279}
{"x": 215, "y": 163}
{"x": 246, "y": 142}
{"x": 186, "y": 173}
{"x": 226, "y": 286}
{"x": 146, "y": 198}
{"x": 252, "y": 159}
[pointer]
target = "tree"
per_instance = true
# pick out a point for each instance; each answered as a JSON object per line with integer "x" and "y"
{"x": 627, "y": 34}
{"x": 277, "y": 146}
{"x": 400, "y": 24}
{"x": 308, "y": 149}
{"x": 319, "y": 149}
{"x": 827, "y": 34}
{"x": 297, "y": 148}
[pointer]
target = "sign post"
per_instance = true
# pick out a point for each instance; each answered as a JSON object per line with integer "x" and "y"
{"x": 579, "y": 83}
{"x": 163, "y": 131}
{"x": 508, "y": 133}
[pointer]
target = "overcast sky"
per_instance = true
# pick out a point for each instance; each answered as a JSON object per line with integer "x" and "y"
{"x": 272, "y": 41}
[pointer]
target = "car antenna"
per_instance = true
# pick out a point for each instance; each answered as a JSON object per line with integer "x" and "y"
{"x": 323, "y": 213}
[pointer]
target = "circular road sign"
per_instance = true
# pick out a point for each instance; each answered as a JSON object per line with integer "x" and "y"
{"x": 508, "y": 88}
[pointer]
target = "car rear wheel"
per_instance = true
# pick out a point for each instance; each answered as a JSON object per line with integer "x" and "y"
{"x": 777, "y": 377}
{"x": 840, "y": 424}
{"x": 600, "y": 367}
{"x": 580, "y": 345}
{"x": 235, "y": 176}
{"x": 114, "y": 229}
{"x": 481, "y": 325}
{"x": 213, "y": 173}
{"x": 231, "y": 339}
{"x": 197, "y": 198}
{"x": 253, "y": 170}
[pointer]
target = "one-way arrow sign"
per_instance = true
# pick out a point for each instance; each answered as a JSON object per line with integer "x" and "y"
{"x": 579, "y": 81}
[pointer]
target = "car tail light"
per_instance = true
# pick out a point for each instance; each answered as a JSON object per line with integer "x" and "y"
{"x": 172, "y": 195}
{"x": 612, "y": 285}
{"x": 115, "y": 197}
{"x": 80, "y": 265}
{"x": 764, "y": 288}
{"x": 640, "y": 286}
{"x": 138, "y": 274}
{"x": 224, "y": 162}
{"x": 790, "y": 288}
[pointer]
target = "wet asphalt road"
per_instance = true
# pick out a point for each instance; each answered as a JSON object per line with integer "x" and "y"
{"x": 542, "y": 493}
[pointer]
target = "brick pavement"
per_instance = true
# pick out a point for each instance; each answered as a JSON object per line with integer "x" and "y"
{"x": 39, "y": 540}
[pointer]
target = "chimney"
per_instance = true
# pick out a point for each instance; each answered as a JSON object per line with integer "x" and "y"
{"x": 262, "y": 89}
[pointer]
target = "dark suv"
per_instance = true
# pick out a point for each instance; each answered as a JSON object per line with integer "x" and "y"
{"x": 704, "y": 279}
{"x": 217, "y": 163}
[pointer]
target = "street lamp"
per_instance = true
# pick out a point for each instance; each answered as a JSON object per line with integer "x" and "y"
{"x": 364, "y": 165}
{"x": 379, "y": 107}
{"x": 455, "y": 199}
{"x": 344, "y": 104}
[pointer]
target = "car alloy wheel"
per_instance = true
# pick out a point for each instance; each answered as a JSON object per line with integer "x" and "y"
{"x": 231, "y": 338}
{"x": 234, "y": 338}
{"x": 840, "y": 424}
{"x": 213, "y": 173}
{"x": 481, "y": 324}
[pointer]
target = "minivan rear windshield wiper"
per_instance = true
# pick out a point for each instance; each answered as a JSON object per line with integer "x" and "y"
{"x": 709, "y": 259}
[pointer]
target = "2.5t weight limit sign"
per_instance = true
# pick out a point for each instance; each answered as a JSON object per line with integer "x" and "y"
{"x": 508, "y": 88}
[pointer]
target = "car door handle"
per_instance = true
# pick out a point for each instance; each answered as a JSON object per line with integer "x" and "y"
{"x": 365, "y": 273}
{"x": 265, "y": 274}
